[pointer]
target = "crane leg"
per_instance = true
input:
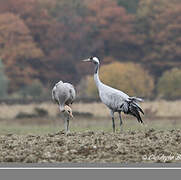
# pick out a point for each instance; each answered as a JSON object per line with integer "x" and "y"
{"x": 121, "y": 122}
{"x": 113, "y": 123}
{"x": 66, "y": 125}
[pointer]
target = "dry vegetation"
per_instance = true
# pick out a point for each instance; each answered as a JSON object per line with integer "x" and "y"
{"x": 154, "y": 108}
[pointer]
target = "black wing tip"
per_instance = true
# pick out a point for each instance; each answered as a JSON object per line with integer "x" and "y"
{"x": 141, "y": 121}
{"x": 137, "y": 115}
{"x": 141, "y": 110}
{"x": 138, "y": 107}
{"x": 135, "y": 112}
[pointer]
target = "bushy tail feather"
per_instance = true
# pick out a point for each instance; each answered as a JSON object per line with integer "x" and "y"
{"x": 138, "y": 107}
{"x": 133, "y": 101}
{"x": 134, "y": 109}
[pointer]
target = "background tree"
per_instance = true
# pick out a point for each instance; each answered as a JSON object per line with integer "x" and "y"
{"x": 129, "y": 5}
{"x": 81, "y": 29}
{"x": 34, "y": 14}
{"x": 34, "y": 90}
{"x": 19, "y": 52}
{"x": 46, "y": 39}
{"x": 3, "y": 81}
{"x": 169, "y": 84}
{"x": 159, "y": 23}
{"x": 111, "y": 29}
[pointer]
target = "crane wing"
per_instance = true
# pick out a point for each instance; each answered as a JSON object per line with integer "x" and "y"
{"x": 53, "y": 94}
{"x": 60, "y": 93}
{"x": 114, "y": 100}
{"x": 72, "y": 93}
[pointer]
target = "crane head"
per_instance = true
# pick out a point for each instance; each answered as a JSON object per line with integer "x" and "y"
{"x": 68, "y": 110}
{"x": 95, "y": 60}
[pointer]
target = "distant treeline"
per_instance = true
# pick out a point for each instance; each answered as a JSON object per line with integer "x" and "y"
{"x": 46, "y": 39}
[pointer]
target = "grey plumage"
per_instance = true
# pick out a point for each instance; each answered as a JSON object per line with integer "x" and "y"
{"x": 116, "y": 100}
{"x": 64, "y": 94}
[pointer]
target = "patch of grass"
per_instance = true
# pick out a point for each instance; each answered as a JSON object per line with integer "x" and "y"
{"x": 27, "y": 129}
{"x": 128, "y": 125}
{"x": 82, "y": 125}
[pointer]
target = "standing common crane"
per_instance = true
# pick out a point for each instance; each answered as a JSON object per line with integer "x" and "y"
{"x": 64, "y": 94}
{"x": 116, "y": 100}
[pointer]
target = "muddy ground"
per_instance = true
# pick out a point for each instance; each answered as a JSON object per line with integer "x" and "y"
{"x": 133, "y": 146}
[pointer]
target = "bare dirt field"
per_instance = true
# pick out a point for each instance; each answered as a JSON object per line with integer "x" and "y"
{"x": 89, "y": 146}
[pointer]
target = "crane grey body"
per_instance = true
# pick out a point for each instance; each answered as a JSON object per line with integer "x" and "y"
{"x": 115, "y": 100}
{"x": 64, "y": 94}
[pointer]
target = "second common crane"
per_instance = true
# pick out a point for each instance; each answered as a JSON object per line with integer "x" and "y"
{"x": 115, "y": 100}
{"x": 64, "y": 94}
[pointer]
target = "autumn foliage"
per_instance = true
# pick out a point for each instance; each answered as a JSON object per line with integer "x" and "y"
{"x": 18, "y": 50}
{"x": 169, "y": 84}
{"x": 46, "y": 39}
{"x": 3, "y": 81}
{"x": 159, "y": 23}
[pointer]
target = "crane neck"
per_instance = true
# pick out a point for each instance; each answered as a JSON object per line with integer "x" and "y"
{"x": 96, "y": 76}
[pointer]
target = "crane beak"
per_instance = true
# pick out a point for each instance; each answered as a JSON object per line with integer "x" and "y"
{"x": 86, "y": 60}
{"x": 71, "y": 115}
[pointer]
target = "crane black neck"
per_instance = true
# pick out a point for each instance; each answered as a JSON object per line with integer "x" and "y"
{"x": 96, "y": 68}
